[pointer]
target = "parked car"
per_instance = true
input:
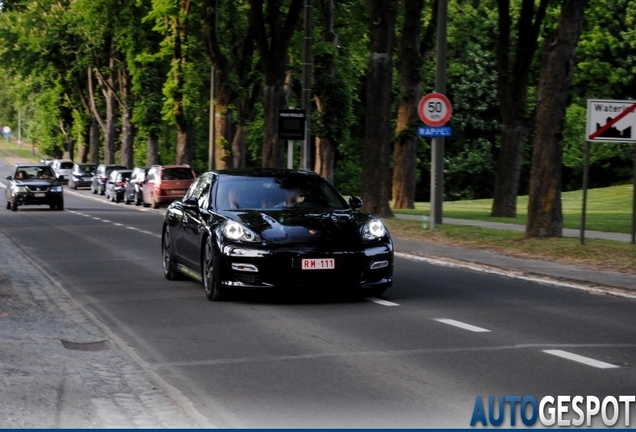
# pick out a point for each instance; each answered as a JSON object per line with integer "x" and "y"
{"x": 81, "y": 175}
{"x": 266, "y": 228}
{"x": 115, "y": 184}
{"x": 133, "y": 189}
{"x": 34, "y": 184}
{"x": 98, "y": 182}
{"x": 62, "y": 168}
{"x": 165, "y": 184}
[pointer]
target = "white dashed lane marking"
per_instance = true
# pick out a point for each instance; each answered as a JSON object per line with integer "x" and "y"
{"x": 380, "y": 301}
{"x": 580, "y": 359}
{"x": 462, "y": 325}
{"x": 115, "y": 223}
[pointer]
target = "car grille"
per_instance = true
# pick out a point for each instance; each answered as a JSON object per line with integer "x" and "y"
{"x": 38, "y": 188}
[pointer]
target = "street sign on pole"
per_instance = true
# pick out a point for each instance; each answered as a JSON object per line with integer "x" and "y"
{"x": 435, "y": 109}
{"x": 434, "y": 131}
{"x": 611, "y": 120}
{"x": 291, "y": 124}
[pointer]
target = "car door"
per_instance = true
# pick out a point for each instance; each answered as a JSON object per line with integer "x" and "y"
{"x": 194, "y": 223}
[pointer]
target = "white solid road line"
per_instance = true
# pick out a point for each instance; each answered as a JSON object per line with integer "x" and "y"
{"x": 380, "y": 301}
{"x": 580, "y": 359}
{"x": 462, "y": 325}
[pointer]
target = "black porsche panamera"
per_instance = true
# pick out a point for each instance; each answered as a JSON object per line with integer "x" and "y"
{"x": 254, "y": 229}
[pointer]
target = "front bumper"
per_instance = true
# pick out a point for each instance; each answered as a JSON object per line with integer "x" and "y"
{"x": 29, "y": 198}
{"x": 245, "y": 267}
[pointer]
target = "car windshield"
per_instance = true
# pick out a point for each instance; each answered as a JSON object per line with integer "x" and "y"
{"x": 66, "y": 165}
{"x": 87, "y": 169}
{"x": 177, "y": 174}
{"x": 276, "y": 192}
{"x": 34, "y": 172}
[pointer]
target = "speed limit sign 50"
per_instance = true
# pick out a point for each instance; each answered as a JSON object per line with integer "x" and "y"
{"x": 435, "y": 109}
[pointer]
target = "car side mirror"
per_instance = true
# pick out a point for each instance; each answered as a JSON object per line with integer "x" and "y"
{"x": 355, "y": 202}
{"x": 9, "y": 178}
{"x": 191, "y": 204}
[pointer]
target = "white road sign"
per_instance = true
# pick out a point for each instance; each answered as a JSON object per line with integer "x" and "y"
{"x": 611, "y": 120}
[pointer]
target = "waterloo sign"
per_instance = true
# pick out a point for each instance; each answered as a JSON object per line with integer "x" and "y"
{"x": 611, "y": 121}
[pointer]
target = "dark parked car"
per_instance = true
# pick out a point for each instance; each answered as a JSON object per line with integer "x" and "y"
{"x": 81, "y": 175}
{"x": 34, "y": 184}
{"x": 133, "y": 189}
{"x": 98, "y": 182}
{"x": 265, "y": 228}
{"x": 115, "y": 184}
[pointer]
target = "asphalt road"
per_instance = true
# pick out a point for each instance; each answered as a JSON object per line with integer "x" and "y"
{"x": 317, "y": 360}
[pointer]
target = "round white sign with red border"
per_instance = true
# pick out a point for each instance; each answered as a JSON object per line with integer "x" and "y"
{"x": 435, "y": 109}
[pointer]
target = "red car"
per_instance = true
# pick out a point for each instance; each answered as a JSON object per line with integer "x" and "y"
{"x": 165, "y": 184}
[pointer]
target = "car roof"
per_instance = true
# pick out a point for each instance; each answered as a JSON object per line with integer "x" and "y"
{"x": 258, "y": 172}
{"x": 39, "y": 165}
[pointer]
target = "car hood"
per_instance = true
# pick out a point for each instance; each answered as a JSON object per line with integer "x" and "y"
{"x": 37, "y": 182}
{"x": 294, "y": 226}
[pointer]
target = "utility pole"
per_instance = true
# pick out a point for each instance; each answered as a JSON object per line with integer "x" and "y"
{"x": 437, "y": 151}
{"x": 306, "y": 99}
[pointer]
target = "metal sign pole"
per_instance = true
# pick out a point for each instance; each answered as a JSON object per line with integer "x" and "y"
{"x": 586, "y": 169}
{"x": 437, "y": 150}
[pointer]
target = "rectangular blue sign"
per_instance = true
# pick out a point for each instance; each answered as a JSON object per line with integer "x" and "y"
{"x": 434, "y": 131}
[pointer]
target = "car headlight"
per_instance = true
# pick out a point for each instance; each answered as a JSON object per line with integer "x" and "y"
{"x": 236, "y": 231}
{"x": 20, "y": 189}
{"x": 373, "y": 229}
{"x": 56, "y": 189}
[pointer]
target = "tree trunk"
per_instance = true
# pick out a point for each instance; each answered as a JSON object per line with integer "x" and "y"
{"x": 93, "y": 142}
{"x": 111, "y": 111}
{"x": 82, "y": 153}
{"x": 513, "y": 140}
{"x": 239, "y": 146}
{"x": 545, "y": 218}
{"x": 273, "y": 45}
{"x": 274, "y": 99}
{"x": 324, "y": 80}
{"x": 376, "y": 168}
{"x": 512, "y": 90}
{"x": 223, "y": 129}
{"x": 152, "y": 150}
{"x": 126, "y": 153}
{"x": 184, "y": 145}
{"x": 325, "y": 157}
{"x": 405, "y": 152}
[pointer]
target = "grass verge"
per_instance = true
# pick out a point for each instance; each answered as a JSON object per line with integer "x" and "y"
{"x": 11, "y": 150}
{"x": 608, "y": 209}
{"x": 598, "y": 254}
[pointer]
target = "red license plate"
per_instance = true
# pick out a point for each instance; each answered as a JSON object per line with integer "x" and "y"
{"x": 318, "y": 264}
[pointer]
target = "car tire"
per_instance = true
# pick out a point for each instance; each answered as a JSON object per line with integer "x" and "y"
{"x": 211, "y": 279}
{"x": 60, "y": 206}
{"x": 138, "y": 201}
{"x": 166, "y": 252}
{"x": 116, "y": 198}
{"x": 8, "y": 205}
{"x": 52, "y": 206}
{"x": 102, "y": 191}
{"x": 14, "y": 206}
